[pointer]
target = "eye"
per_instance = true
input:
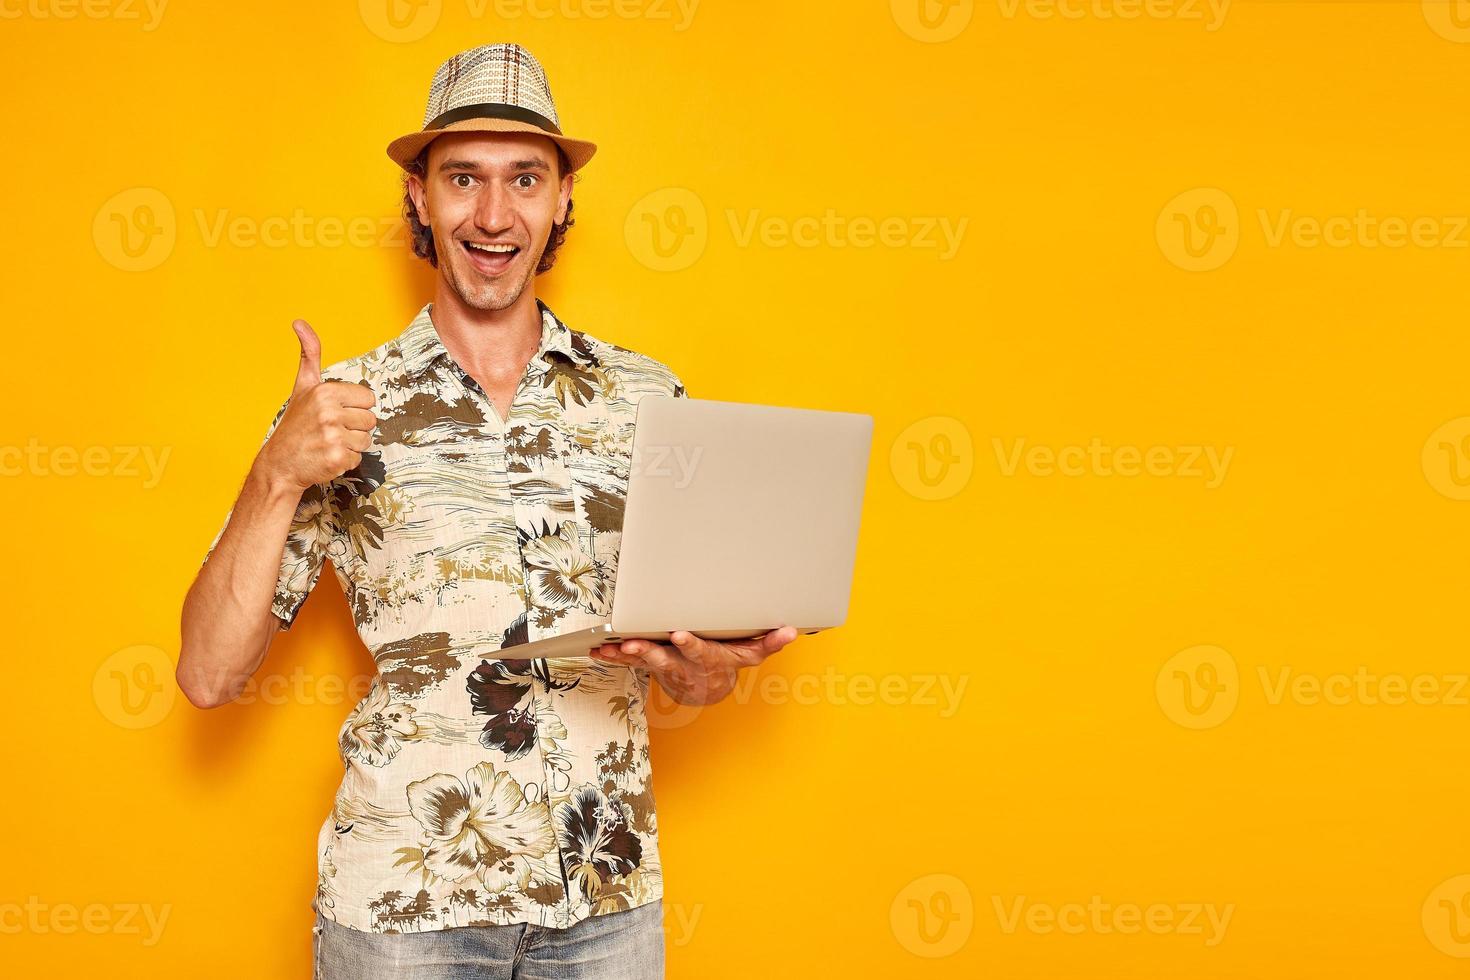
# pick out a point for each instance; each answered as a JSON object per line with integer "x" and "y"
{"x": 455, "y": 180}
{"x": 526, "y": 177}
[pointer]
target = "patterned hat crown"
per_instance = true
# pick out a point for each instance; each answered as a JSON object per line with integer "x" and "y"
{"x": 506, "y": 74}
{"x": 491, "y": 88}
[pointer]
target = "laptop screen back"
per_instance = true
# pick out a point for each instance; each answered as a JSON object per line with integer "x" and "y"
{"x": 740, "y": 516}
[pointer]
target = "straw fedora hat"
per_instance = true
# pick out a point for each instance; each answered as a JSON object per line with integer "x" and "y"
{"x": 495, "y": 88}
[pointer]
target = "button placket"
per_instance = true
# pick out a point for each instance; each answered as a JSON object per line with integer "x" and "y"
{"x": 539, "y": 688}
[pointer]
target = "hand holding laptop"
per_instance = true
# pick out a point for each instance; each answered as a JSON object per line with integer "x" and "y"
{"x": 692, "y": 670}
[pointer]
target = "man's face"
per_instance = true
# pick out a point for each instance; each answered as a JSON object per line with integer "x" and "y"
{"x": 490, "y": 200}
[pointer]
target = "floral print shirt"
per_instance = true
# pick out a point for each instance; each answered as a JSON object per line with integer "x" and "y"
{"x": 478, "y": 790}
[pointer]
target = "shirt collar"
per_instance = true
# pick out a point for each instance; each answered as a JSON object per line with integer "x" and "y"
{"x": 422, "y": 349}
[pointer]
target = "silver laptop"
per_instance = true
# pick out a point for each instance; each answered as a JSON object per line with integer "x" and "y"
{"x": 739, "y": 519}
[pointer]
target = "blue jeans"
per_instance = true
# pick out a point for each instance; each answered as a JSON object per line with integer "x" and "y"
{"x": 627, "y": 945}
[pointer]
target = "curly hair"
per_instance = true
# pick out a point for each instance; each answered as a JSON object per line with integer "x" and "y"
{"x": 421, "y": 236}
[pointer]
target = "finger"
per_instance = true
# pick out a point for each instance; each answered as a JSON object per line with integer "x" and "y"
{"x": 655, "y": 656}
{"x": 695, "y": 648}
{"x": 609, "y": 652}
{"x": 631, "y": 648}
{"x": 357, "y": 440}
{"x": 776, "y": 639}
{"x": 759, "y": 648}
{"x": 750, "y": 652}
{"x": 769, "y": 641}
{"x": 351, "y": 394}
{"x": 309, "y": 370}
{"x": 360, "y": 419}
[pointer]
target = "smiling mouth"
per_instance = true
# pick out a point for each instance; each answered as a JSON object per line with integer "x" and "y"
{"x": 491, "y": 258}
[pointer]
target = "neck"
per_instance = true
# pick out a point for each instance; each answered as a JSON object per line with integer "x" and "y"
{"x": 489, "y": 342}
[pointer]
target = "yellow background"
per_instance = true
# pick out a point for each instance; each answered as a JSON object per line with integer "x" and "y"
{"x": 802, "y": 835}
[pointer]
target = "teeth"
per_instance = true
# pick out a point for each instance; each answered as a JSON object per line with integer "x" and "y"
{"x": 491, "y": 248}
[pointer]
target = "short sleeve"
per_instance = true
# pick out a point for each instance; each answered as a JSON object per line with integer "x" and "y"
{"x": 306, "y": 545}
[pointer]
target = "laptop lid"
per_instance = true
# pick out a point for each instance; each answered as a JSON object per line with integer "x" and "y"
{"x": 739, "y": 516}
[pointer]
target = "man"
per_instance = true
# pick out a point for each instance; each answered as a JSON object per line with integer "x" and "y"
{"x": 466, "y": 481}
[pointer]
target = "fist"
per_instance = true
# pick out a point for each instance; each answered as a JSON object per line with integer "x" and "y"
{"x": 327, "y": 426}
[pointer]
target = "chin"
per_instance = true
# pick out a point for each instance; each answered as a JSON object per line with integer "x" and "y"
{"x": 488, "y": 297}
{"x": 489, "y": 301}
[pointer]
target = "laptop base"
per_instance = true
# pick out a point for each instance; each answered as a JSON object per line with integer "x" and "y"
{"x": 582, "y": 642}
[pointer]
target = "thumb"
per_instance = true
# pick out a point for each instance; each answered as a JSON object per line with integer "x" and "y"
{"x": 309, "y": 374}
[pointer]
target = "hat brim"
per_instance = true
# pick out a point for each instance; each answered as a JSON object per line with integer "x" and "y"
{"x": 404, "y": 149}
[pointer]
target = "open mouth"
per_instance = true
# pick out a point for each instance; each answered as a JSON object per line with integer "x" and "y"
{"x": 491, "y": 258}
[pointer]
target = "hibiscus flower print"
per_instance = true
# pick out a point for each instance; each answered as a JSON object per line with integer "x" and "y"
{"x": 377, "y": 727}
{"x": 312, "y": 528}
{"x": 502, "y": 690}
{"x": 561, "y": 574}
{"x": 596, "y": 841}
{"x": 480, "y": 828}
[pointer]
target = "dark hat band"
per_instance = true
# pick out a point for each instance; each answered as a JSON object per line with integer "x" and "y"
{"x": 493, "y": 110}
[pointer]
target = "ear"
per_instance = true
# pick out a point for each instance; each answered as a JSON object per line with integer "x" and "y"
{"x": 419, "y": 194}
{"x": 563, "y": 199}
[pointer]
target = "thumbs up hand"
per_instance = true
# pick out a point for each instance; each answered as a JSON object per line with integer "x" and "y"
{"x": 327, "y": 427}
{"x": 309, "y": 374}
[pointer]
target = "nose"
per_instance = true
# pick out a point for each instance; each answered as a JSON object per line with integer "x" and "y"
{"x": 494, "y": 212}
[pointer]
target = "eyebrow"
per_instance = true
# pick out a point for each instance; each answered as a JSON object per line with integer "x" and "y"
{"x": 516, "y": 167}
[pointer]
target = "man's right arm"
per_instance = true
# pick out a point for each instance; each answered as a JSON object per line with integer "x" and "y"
{"x": 227, "y": 624}
{"x": 231, "y": 613}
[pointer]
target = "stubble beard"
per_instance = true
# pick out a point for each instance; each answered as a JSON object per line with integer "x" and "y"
{"x": 477, "y": 293}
